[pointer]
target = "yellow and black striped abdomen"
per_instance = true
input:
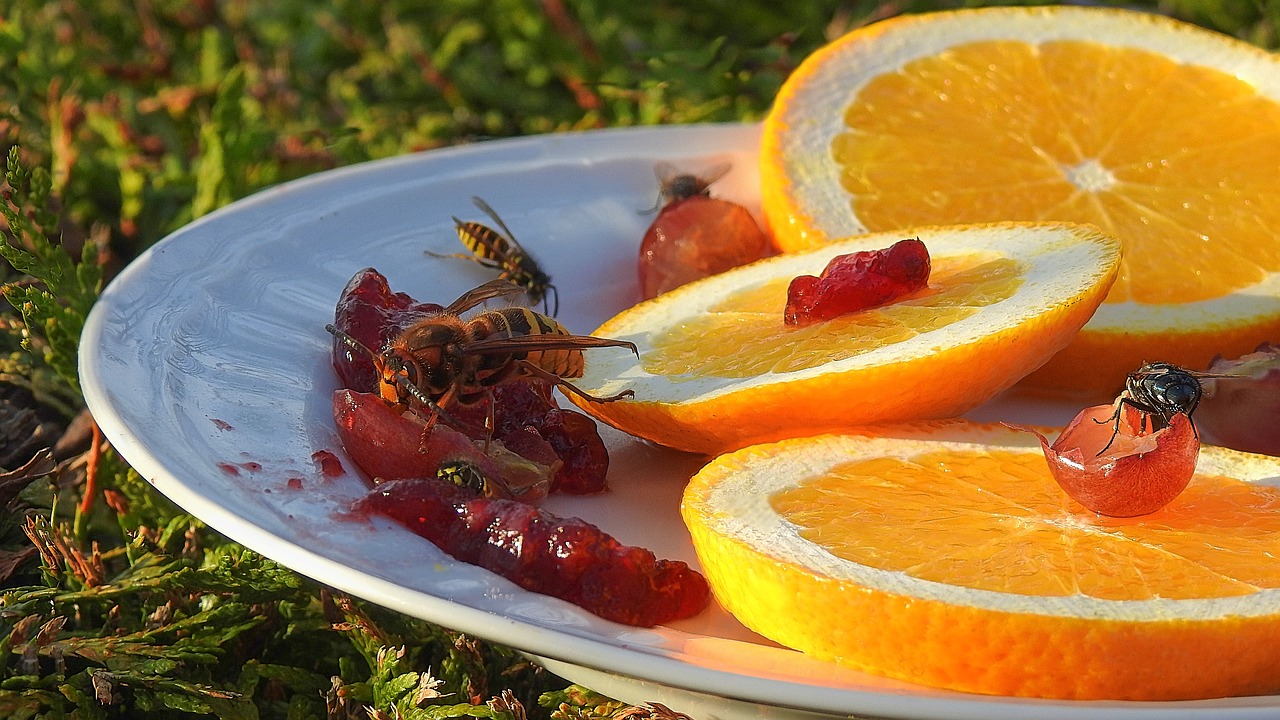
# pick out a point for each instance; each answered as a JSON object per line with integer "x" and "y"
{"x": 487, "y": 244}
{"x": 566, "y": 362}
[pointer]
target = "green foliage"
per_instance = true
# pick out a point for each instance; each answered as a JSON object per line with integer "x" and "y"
{"x": 55, "y": 309}
{"x": 122, "y": 120}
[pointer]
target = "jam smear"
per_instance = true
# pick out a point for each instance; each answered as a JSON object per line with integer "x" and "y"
{"x": 858, "y": 281}
{"x": 329, "y": 463}
{"x": 567, "y": 558}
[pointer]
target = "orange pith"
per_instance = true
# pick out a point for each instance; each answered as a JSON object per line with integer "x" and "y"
{"x": 1074, "y": 144}
{"x": 997, "y": 521}
{"x": 745, "y": 335}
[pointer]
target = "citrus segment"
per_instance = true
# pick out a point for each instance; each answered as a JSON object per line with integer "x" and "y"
{"x": 1158, "y": 132}
{"x": 719, "y": 368}
{"x": 945, "y": 554}
{"x": 741, "y": 337}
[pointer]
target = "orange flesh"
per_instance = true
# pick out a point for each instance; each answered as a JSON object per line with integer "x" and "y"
{"x": 996, "y": 521}
{"x": 745, "y": 336}
{"x": 1179, "y": 162}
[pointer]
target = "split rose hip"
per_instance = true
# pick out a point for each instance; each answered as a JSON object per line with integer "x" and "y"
{"x": 527, "y": 420}
{"x": 524, "y": 406}
{"x": 1118, "y": 467}
{"x": 388, "y": 445}
{"x": 1241, "y": 405}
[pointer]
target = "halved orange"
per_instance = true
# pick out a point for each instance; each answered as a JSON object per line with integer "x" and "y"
{"x": 946, "y": 555}
{"x": 718, "y": 368}
{"x": 1158, "y": 132}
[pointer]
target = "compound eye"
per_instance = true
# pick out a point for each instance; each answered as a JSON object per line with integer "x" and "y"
{"x": 1180, "y": 391}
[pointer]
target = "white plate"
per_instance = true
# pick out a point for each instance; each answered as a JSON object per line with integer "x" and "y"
{"x": 206, "y": 363}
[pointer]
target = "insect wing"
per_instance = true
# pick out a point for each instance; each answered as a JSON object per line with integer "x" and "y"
{"x": 669, "y": 175}
{"x": 484, "y": 206}
{"x": 493, "y": 289}
{"x": 533, "y": 343}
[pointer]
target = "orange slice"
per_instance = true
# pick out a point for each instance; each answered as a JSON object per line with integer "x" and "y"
{"x": 1160, "y": 133}
{"x": 718, "y": 368}
{"x": 946, "y": 555}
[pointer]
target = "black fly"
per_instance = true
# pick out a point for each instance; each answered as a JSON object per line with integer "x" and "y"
{"x": 1161, "y": 389}
{"x": 675, "y": 185}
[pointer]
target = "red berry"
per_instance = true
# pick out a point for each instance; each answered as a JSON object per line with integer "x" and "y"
{"x": 524, "y": 404}
{"x": 566, "y": 558}
{"x": 526, "y": 418}
{"x": 858, "y": 281}
{"x": 695, "y": 237}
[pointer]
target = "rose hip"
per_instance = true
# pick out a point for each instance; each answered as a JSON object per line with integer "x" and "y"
{"x": 858, "y": 281}
{"x": 1242, "y": 401}
{"x": 524, "y": 405}
{"x": 566, "y": 558}
{"x": 371, "y": 313}
{"x": 694, "y": 237}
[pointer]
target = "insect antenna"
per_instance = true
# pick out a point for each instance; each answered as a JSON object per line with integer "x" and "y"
{"x": 354, "y": 344}
{"x": 555, "y": 296}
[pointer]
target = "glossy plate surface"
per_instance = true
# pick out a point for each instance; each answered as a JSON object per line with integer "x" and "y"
{"x": 206, "y": 364}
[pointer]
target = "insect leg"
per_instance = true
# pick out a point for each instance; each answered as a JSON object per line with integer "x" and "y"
{"x": 483, "y": 262}
{"x": 567, "y": 386}
{"x": 1115, "y": 418}
{"x": 435, "y": 407}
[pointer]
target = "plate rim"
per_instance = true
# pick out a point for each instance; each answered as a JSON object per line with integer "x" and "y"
{"x": 558, "y": 644}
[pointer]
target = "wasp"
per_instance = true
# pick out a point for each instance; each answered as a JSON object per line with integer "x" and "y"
{"x": 500, "y": 251}
{"x": 443, "y": 360}
{"x": 465, "y": 475}
{"x": 675, "y": 185}
{"x": 1162, "y": 390}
